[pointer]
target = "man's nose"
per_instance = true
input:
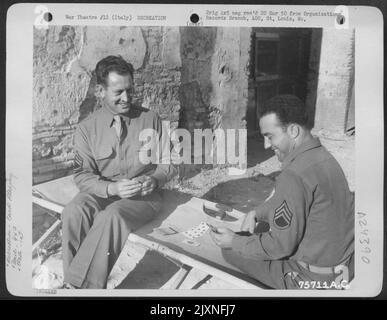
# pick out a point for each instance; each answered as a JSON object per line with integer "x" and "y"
{"x": 267, "y": 143}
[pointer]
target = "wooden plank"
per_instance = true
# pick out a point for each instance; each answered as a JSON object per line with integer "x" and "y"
{"x": 59, "y": 191}
{"x": 50, "y": 206}
{"x": 45, "y": 236}
{"x": 193, "y": 263}
{"x": 47, "y": 204}
{"x": 130, "y": 256}
{"x": 177, "y": 279}
{"x": 194, "y": 279}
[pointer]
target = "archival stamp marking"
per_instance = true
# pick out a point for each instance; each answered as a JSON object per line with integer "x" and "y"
{"x": 364, "y": 238}
{"x": 268, "y": 16}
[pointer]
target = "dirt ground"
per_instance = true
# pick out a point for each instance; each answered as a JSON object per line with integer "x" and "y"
{"x": 242, "y": 192}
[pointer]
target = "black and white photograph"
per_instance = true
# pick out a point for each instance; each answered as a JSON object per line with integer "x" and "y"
{"x": 205, "y": 158}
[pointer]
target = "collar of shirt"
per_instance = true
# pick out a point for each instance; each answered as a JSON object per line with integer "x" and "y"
{"x": 106, "y": 117}
{"x": 308, "y": 145}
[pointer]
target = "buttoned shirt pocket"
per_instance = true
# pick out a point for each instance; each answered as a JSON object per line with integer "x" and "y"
{"x": 105, "y": 158}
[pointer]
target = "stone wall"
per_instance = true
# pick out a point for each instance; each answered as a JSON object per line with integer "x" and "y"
{"x": 229, "y": 78}
{"x": 214, "y": 77}
{"x": 335, "y": 78}
{"x": 197, "y": 50}
{"x": 214, "y": 72}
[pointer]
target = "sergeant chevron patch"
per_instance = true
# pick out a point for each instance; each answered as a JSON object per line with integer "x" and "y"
{"x": 282, "y": 216}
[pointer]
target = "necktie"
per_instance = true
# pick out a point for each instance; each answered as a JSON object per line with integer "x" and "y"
{"x": 118, "y": 125}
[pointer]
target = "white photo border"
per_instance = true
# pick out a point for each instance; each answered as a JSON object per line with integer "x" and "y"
{"x": 368, "y": 24}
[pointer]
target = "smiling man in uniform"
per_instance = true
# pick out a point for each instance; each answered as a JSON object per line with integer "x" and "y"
{"x": 118, "y": 193}
{"x": 310, "y": 243}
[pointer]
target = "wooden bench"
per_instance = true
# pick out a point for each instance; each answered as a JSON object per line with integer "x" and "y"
{"x": 179, "y": 210}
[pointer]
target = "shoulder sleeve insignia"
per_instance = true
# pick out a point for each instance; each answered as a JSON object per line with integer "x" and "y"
{"x": 282, "y": 216}
{"x": 78, "y": 162}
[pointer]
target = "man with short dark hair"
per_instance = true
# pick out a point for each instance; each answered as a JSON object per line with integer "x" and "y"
{"x": 310, "y": 243}
{"x": 118, "y": 192}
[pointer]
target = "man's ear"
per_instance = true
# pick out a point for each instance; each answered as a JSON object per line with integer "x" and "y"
{"x": 294, "y": 130}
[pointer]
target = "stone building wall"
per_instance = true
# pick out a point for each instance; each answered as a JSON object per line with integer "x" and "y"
{"x": 197, "y": 50}
{"x": 214, "y": 77}
{"x": 229, "y": 78}
{"x": 214, "y": 86}
{"x": 335, "y": 79}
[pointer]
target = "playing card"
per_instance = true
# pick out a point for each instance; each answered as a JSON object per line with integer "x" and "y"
{"x": 197, "y": 231}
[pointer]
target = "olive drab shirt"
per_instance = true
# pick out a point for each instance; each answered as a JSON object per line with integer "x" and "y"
{"x": 311, "y": 212}
{"x": 101, "y": 156}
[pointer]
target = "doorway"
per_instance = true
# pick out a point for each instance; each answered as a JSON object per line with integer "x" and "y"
{"x": 279, "y": 64}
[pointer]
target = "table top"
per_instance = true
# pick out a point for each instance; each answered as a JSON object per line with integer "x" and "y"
{"x": 182, "y": 212}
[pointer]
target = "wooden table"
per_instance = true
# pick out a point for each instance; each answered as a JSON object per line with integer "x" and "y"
{"x": 181, "y": 211}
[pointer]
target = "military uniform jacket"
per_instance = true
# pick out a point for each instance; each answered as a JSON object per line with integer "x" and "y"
{"x": 311, "y": 213}
{"x": 101, "y": 157}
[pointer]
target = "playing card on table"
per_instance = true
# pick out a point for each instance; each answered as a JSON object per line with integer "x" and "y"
{"x": 197, "y": 231}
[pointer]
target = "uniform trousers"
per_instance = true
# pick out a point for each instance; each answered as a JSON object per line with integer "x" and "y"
{"x": 95, "y": 231}
{"x": 283, "y": 274}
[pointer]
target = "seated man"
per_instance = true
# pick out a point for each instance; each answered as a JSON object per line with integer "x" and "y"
{"x": 310, "y": 213}
{"x": 118, "y": 192}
